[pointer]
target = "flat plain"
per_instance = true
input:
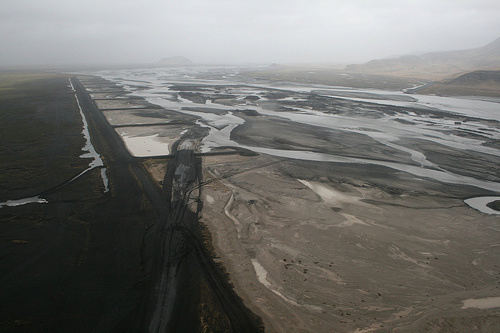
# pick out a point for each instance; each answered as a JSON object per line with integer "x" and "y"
{"x": 328, "y": 208}
{"x": 346, "y": 210}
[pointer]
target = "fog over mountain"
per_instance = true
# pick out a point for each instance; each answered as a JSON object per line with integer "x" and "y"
{"x": 176, "y": 61}
{"x": 132, "y": 31}
{"x": 435, "y": 63}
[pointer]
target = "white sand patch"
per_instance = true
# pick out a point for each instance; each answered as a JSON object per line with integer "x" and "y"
{"x": 351, "y": 220}
{"x": 262, "y": 276}
{"x": 210, "y": 200}
{"x": 142, "y": 146}
{"x": 397, "y": 254}
{"x": 482, "y": 303}
{"x": 433, "y": 241}
{"x": 329, "y": 195}
{"x": 227, "y": 211}
{"x": 261, "y": 273}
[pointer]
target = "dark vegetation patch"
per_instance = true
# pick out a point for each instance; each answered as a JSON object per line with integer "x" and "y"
{"x": 476, "y": 77}
{"x": 194, "y": 97}
{"x": 73, "y": 264}
{"x": 475, "y": 83}
{"x": 275, "y": 95}
{"x": 250, "y": 113}
{"x": 252, "y": 98}
{"x": 404, "y": 121}
{"x": 188, "y": 87}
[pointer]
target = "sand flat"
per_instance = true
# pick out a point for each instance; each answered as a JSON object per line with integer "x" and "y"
{"x": 482, "y": 303}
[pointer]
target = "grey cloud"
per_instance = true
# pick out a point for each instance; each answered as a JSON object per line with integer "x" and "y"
{"x": 66, "y": 32}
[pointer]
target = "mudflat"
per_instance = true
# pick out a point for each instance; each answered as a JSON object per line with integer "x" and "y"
{"x": 349, "y": 249}
{"x": 347, "y": 212}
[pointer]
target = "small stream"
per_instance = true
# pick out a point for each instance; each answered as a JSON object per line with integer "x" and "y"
{"x": 89, "y": 149}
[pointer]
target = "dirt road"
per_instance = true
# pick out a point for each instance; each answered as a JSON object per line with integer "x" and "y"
{"x": 173, "y": 248}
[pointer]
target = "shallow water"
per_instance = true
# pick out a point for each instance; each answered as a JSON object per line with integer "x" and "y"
{"x": 23, "y": 201}
{"x": 479, "y": 203}
{"x": 384, "y": 129}
{"x": 442, "y": 176}
{"x": 144, "y": 146}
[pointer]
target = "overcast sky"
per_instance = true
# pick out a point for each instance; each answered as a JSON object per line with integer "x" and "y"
{"x": 64, "y": 32}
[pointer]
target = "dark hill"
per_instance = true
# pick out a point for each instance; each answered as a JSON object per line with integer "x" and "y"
{"x": 477, "y": 77}
{"x": 476, "y": 83}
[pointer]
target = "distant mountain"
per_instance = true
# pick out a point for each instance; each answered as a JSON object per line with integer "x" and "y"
{"x": 477, "y": 77}
{"x": 178, "y": 61}
{"x": 476, "y": 83}
{"x": 436, "y": 64}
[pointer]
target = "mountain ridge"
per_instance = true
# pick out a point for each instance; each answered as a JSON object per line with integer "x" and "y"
{"x": 434, "y": 65}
